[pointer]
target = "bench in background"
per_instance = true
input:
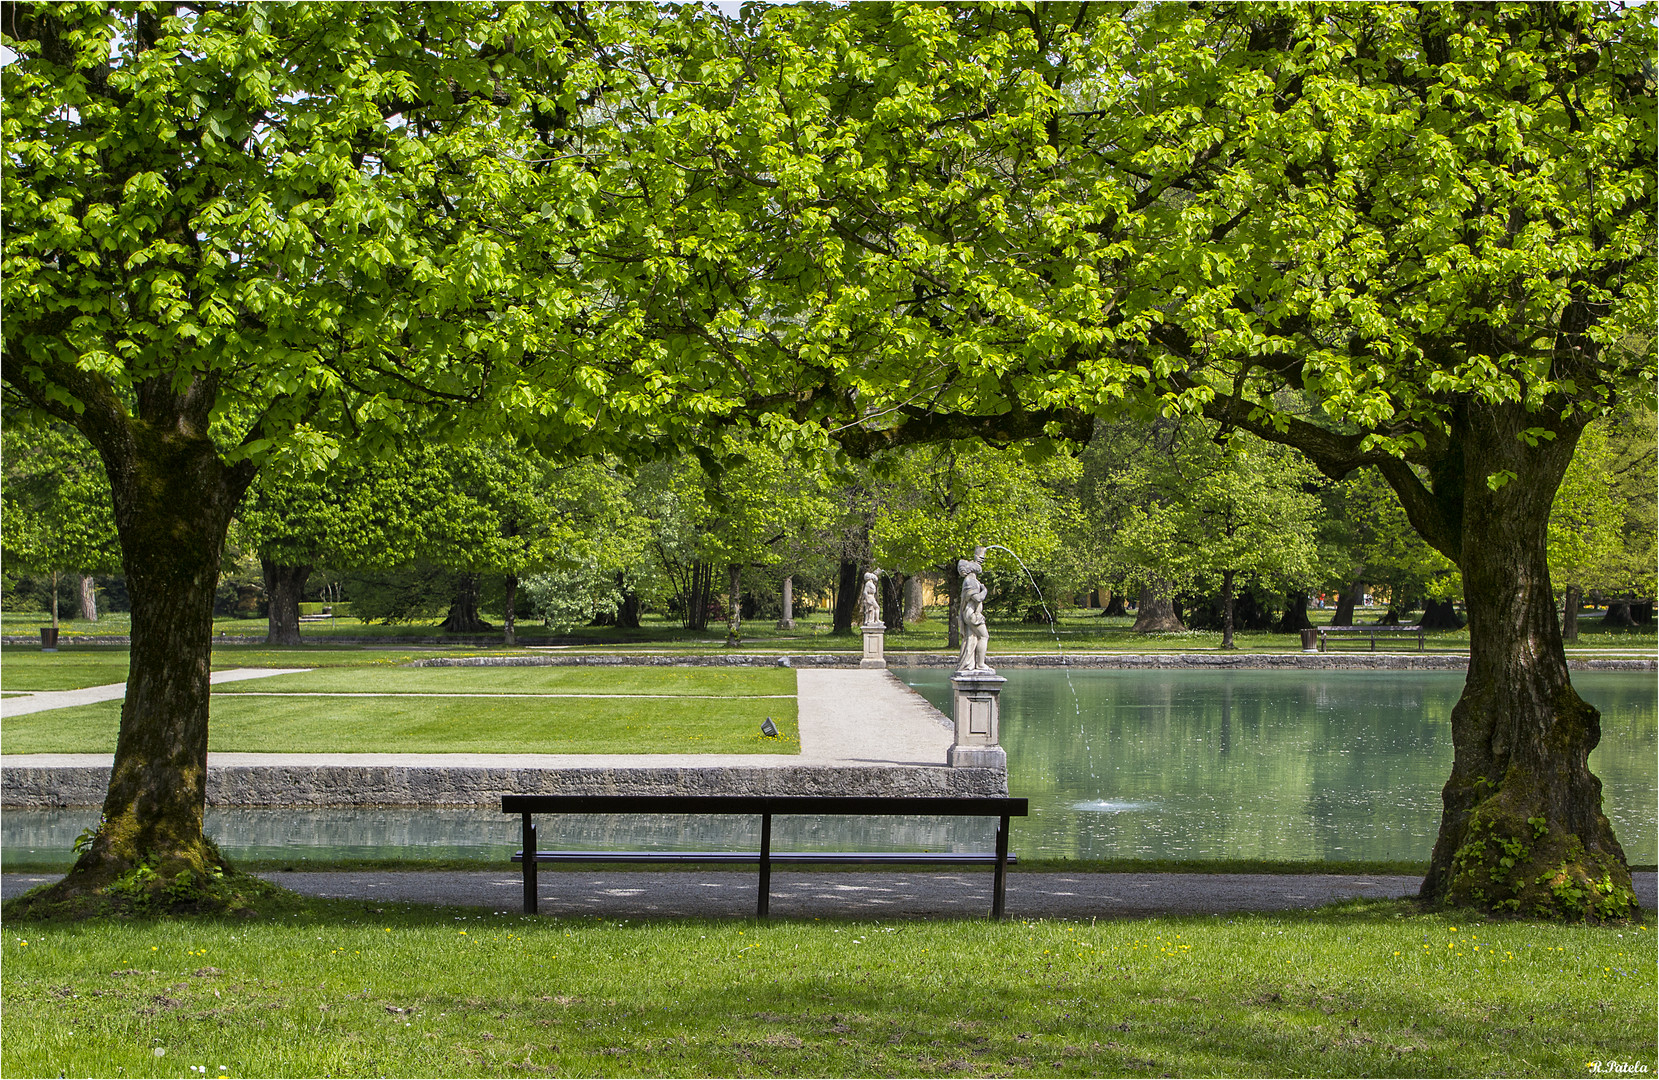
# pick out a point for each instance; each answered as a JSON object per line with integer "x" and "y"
{"x": 1372, "y": 632}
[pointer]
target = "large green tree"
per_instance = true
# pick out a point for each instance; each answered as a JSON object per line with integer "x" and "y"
{"x": 1415, "y": 238}
{"x": 245, "y": 232}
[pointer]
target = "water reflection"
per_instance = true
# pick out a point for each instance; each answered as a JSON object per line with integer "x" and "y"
{"x": 1337, "y": 765}
{"x": 1138, "y": 764}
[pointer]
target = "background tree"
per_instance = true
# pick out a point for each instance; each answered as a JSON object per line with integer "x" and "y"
{"x": 56, "y": 511}
{"x": 1601, "y": 531}
{"x": 1240, "y": 512}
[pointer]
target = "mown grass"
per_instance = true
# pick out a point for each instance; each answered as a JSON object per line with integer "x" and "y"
{"x": 480, "y": 722}
{"x": 342, "y": 988}
{"x": 648, "y": 681}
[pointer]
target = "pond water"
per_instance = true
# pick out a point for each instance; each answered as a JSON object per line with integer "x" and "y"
{"x": 1334, "y": 765}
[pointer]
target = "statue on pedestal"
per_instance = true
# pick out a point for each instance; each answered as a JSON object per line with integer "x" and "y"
{"x": 975, "y": 637}
{"x": 869, "y": 602}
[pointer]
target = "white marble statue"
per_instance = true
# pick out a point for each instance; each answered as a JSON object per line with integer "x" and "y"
{"x": 869, "y": 602}
{"x": 975, "y": 637}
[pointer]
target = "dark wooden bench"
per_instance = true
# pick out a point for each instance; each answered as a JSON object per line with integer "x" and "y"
{"x": 1372, "y": 631}
{"x": 766, "y": 806}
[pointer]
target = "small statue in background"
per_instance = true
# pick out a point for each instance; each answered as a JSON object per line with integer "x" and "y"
{"x": 869, "y": 602}
{"x": 975, "y": 637}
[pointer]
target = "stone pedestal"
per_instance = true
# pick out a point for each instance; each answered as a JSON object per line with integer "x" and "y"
{"x": 874, "y": 657}
{"x": 975, "y": 709}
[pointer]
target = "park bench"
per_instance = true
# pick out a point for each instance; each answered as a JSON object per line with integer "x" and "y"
{"x": 1372, "y": 631}
{"x": 767, "y": 806}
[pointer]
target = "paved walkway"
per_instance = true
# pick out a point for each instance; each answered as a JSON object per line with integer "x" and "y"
{"x": 856, "y": 895}
{"x": 42, "y": 700}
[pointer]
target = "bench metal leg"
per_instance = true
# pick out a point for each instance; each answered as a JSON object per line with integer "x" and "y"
{"x": 765, "y": 866}
{"x": 999, "y": 885}
{"x": 529, "y": 839}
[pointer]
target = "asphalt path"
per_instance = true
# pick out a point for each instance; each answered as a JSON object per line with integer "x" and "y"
{"x": 851, "y": 894}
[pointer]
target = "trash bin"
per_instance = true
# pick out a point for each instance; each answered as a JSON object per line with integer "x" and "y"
{"x": 48, "y": 639}
{"x": 1310, "y": 640}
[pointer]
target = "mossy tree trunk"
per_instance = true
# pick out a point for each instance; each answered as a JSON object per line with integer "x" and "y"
{"x": 1523, "y": 828}
{"x": 173, "y": 498}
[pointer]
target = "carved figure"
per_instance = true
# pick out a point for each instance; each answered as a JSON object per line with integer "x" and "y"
{"x": 975, "y": 637}
{"x": 869, "y": 603}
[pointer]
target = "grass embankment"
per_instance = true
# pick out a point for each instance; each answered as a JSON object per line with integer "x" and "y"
{"x": 495, "y": 710}
{"x": 338, "y": 988}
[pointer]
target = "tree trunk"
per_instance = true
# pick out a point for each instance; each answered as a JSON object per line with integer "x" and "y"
{"x": 509, "y": 618}
{"x": 1156, "y": 614}
{"x": 1296, "y": 613}
{"x": 913, "y": 609}
{"x": 627, "y": 611}
{"x": 463, "y": 615}
{"x": 953, "y": 612}
{"x": 1523, "y": 828}
{"x": 55, "y": 600}
{"x": 1227, "y": 610}
{"x": 1569, "y": 613}
{"x": 89, "y": 598}
{"x": 697, "y": 601}
{"x": 1114, "y": 606}
{"x": 787, "y": 622}
{"x": 1440, "y": 615}
{"x": 846, "y": 596}
{"x": 734, "y": 603}
{"x": 173, "y": 500}
{"x": 283, "y": 587}
{"x": 892, "y": 600}
{"x": 1618, "y": 614}
{"x": 1345, "y": 605}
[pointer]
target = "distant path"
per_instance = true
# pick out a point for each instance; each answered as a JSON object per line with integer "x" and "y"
{"x": 42, "y": 700}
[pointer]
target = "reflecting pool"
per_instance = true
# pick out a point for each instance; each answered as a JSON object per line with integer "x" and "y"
{"x": 1333, "y": 765}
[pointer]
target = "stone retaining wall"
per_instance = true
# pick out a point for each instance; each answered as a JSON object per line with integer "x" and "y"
{"x": 400, "y": 785}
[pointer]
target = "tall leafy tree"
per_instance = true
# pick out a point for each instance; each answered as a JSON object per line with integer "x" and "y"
{"x": 245, "y": 232}
{"x": 1411, "y": 238}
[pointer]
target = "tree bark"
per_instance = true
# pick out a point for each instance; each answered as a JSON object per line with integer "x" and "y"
{"x": 953, "y": 611}
{"x": 509, "y": 619}
{"x": 1345, "y": 605}
{"x": 1618, "y": 614}
{"x": 1296, "y": 613}
{"x": 1570, "y": 601}
{"x": 89, "y": 598}
{"x": 1440, "y": 615}
{"x": 283, "y": 586}
{"x": 697, "y": 597}
{"x": 1114, "y": 606}
{"x": 1156, "y": 614}
{"x": 892, "y": 600}
{"x": 846, "y": 596}
{"x": 627, "y": 611}
{"x": 1523, "y": 828}
{"x": 914, "y": 612}
{"x": 1227, "y": 610}
{"x": 734, "y": 603}
{"x": 173, "y": 499}
{"x": 787, "y": 621}
{"x": 463, "y": 615}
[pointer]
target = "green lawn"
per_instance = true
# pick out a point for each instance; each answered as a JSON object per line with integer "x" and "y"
{"x": 345, "y": 989}
{"x": 670, "y": 681}
{"x": 696, "y": 712}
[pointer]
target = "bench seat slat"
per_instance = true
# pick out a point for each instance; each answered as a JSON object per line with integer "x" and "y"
{"x": 885, "y": 858}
